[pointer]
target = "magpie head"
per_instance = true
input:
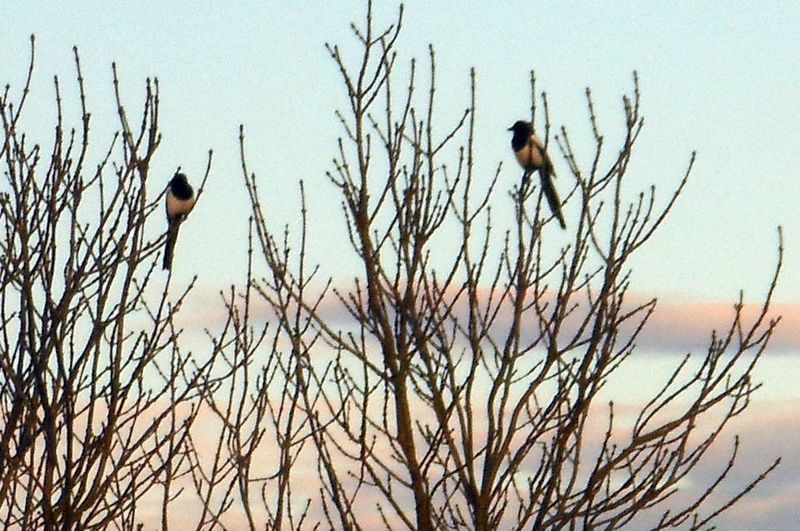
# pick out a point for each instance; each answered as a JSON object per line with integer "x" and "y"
{"x": 180, "y": 187}
{"x": 521, "y": 127}
{"x": 179, "y": 178}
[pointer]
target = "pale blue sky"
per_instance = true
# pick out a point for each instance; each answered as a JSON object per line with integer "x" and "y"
{"x": 721, "y": 78}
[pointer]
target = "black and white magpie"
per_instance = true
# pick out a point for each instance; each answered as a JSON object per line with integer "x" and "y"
{"x": 532, "y": 157}
{"x": 180, "y": 201}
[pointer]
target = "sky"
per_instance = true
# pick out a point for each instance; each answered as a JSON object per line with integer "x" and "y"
{"x": 721, "y": 78}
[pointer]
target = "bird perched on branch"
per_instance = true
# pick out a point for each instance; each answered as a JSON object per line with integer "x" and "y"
{"x": 532, "y": 157}
{"x": 180, "y": 201}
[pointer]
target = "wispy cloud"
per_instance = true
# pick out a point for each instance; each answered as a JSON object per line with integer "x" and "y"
{"x": 687, "y": 324}
{"x": 769, "y": 429}
{"x": 678, "y": 324}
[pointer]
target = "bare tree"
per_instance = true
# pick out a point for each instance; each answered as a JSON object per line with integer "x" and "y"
{"x": 96, "y": 395}
{"x": 460, "y": 380}
{"x": 464, "y": 387}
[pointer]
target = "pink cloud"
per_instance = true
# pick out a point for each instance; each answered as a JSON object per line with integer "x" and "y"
{"x": 682, "y": 324}
{"x": 678, "y": 324}
{"x": 769, "y": 429}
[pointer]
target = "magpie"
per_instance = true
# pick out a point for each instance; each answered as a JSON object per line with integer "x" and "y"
{"x": 180, "y": 201}
{"x": 532, "y": 157}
